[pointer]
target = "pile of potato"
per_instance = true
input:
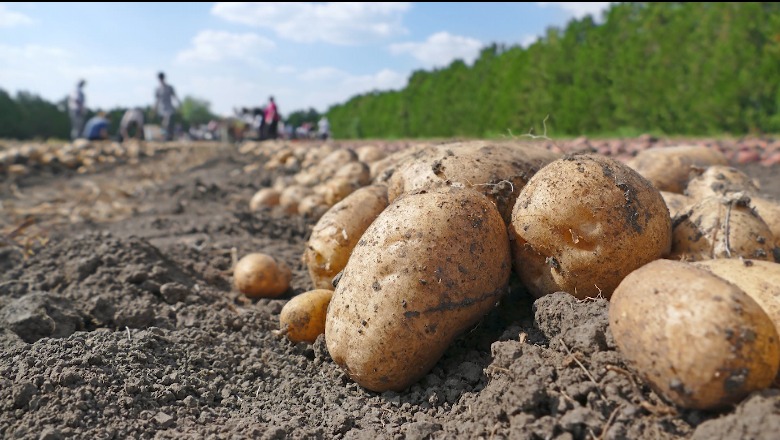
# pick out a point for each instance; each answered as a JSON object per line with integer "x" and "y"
{"x": 422, "y": 249}
{"x": 81, "y": 156}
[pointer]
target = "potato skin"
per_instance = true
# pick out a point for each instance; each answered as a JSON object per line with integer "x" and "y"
{"x": 698, "y": 340}
{"x": 303, "y": 317}
{"x": 583, "y": 223}
{"x": 338, "y": 231}
{"x": 497, "y": 170}
{"x": 719, "y": 180}
{"x": 258, "y": 275}
{"x": 266, "y": 197}
{"x": 759, "y": 279}
{"x": 677, "y": 203}
{"x": 701, "y": 233}
{"x": 669, "y": 168}
{"x": 430, "y": 267}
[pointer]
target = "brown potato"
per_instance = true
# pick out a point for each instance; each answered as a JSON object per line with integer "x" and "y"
{"x": 338, "y": 188}
{"x": 669, "y": 168}
{"x": 721, "y": 227}
{"x": 313, "y": 206}
{"x": 769, "y": 211}
{"x": 357, "y": 172}
{"x": 338, "y": 231}
{"x": 497, "y": 170}
{"x": 370, "y": 153}
{"x": 259, "y": 275}
{"x": 583, "y": 223}
{"x": 303, "y": 318}
{"x": 759, "y": 279}
{"x": 428, "y": 268}
{"x": 291, "y": 197}
{"x": 698, "y": 340}
{"x": 266, "y": 197}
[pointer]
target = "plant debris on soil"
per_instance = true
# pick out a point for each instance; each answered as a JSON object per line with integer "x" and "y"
{"x": 117, "y": 320}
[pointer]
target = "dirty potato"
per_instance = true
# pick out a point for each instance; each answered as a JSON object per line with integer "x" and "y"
{"x": 264, "y": 198}
{"x": 721, "y": 227}
{"x": 669, "y": 168}
{"x": 719, "y": 180}
{"x": 259, "y": 275}
{"x": 698, "y": 340}
{"x": 583, "y": 223}
{"x": 677, "y": 203}
{"x": 338, "y": 231}
{"x": 428, "y": 268}
{"x": 302, "y": 319}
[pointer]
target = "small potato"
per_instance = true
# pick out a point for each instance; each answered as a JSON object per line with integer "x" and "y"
{"x": 584, "y": 222}
{"x": 313, "y": 206}
{"x": 338, "y": 188}
{"x": 669, "y": 168}
{"x": 719, "y": 180}
{"x": 266, "y": 197}
{"x": 303, "y": 317}
{"x": 428, "y": 268}
{"x": 370, "y": 153}
{"x": 721, "y": 227}
{"x": 259, "y": 275}
{"x": 698, "y": 340}
{"x": 759, "y": 279}
{"x": 291, "y": 197}
{"x": 357, "y": 172}
{"x": 677, "y": 203}
{"x": 338, "y": 231}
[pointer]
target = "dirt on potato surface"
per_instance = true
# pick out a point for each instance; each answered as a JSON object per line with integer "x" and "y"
{"x": 117, "y": 320}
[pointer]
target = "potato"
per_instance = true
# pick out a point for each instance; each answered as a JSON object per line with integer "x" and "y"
{"x": 303, "y": 317}
{"x": 259, "y": 275}
{"x": 698, "y": 340}
{"x": 721, "y": 227}
{"x": 769, "y": 211}
{"x": 266, "y": 197}
{"x": 338, "y": 188}
{"x": 583, "y": 223}
{"x": 313, "y": 206}
{"x": 291, "y": 197}
{"x": 382, "y": 170}
{"x": 428, "y": 268}
{"x": 720, "y": 180}
{"x": 370, "y": 153}
{"x": 759, "y": 279}
{"x": 677, "y": 203}
{"x": 357, "y": 172}
{"x": 338, "y": 231}
{"x": 498, "y": 170}
{"x": 669, "y": 168}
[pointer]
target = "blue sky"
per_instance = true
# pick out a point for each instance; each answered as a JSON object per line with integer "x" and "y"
{"x": 237, "y": 54}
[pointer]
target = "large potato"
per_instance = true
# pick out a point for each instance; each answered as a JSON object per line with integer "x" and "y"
{"x": 759, "y": 279}
{"x": 428, "y": 268}
{"x": 698, "y": 340}
{"x": 669, "y": 168}
{"x": 497, "y": 170}
{"x": 338, "y": 231}
{"x": 721, "y": 227}
{"x": 583, "y": 223}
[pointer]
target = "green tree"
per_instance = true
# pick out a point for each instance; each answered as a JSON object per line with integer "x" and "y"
{"x": 196, "y": 111}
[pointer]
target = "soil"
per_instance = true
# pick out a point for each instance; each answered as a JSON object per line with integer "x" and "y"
{"x": 117, "y": 320}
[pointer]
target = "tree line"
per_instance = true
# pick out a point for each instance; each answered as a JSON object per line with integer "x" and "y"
{"x": 672, "y": 68}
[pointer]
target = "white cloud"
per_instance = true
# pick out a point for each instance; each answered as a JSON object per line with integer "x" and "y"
{"x": 440, "y": 49}
{"x": 578, "y": 9}
{"x": 337, "y": 23}
{"x": 10, "y": 18}
{"x": 32, "y": 52}
{"x": 322, "y": 74}
{"x": 528, "y": 40}
{"x": 213, "y": 46}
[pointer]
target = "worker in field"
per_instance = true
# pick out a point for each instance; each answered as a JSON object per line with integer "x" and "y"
{"x": 165, "y": 96}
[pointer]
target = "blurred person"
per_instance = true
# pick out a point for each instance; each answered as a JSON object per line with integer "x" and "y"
{"x": 323, "y": 128}
{"x": 132, "y": 117}
{"x": 97, "y": 127}
{"x": 77, "y": 110}
{"x": 165, "y": 95}
{"x": 272, "y": 119}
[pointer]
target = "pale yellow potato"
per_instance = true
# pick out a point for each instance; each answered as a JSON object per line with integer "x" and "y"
{"x": 370, "y": 153}
{"x": 759, "y": 279}
{"x": 670, "y": 168}
{"x": 291, "y": 197}
{"x": 339, "y": 230}
{"x": 698, "y": 340}
{"x": 769, "y": 211}
{"x": 259, "y": 275}
{"x": 428, "y": 269}
{"x": 302, "y": 319}
{"x": 266, "y": 197}
{"x": 721, "y": 227}
{"x": 498, "y": 170}
{"x": 719, "y": 180}
{"x": 338, "y": 188}
{"x": 677, "y": 203}
{"x": 357, "y": 172}
{"x": 584, "y": 222}
{"x": 313, "y": 206}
